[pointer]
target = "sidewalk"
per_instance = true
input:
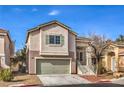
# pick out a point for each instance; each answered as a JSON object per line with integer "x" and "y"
{"x": 25, "y": 85}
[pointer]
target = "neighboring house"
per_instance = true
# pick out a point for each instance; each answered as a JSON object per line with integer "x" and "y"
{"x": 6, "y": 49}
{"x": 53, "y": 48}
{"x": 113, "y": 59}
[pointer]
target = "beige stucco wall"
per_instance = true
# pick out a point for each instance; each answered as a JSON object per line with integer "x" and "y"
{"x": 35, "y": 41}
{"x": 121, "y": 49}
{"x": 108, "y": 58}
{"x": 5, "y": 51}
{"x": 33, "y": 48}
{"x": 72, "y": 50}
{"x": 47, "y": 49}
{"x": 121, "y": 60}
{"x": 121, "y": 63}
{"x": 31, "y": 61}
{"x": 1, "y": 45}
{"x": 72, "y": 43}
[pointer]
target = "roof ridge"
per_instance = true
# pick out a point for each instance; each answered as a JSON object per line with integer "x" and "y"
{"x": 49, "y": 22}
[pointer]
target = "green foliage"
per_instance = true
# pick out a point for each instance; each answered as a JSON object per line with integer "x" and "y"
{"x": 120, "y": 38}
{"x": 20, "y": 56}
{"x": 6, "y": 75}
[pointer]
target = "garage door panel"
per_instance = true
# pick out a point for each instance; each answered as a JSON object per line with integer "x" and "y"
{"x": 53, "y": 66}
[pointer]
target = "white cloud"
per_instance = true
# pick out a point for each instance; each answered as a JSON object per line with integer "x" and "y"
{"x": 34, "y": 10}
{"x": 17, "y": 9}
{"x": 53, "y": 12}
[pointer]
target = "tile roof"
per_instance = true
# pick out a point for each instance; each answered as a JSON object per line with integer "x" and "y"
{"x": 3, "y": 31}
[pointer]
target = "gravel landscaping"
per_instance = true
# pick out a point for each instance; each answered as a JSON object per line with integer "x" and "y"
{"x": 22, "y": 79}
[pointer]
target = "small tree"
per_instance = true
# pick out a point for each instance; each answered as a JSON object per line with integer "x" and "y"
{"x": 98, "y": 44}
{"x": 20, "y": 56}
{"x": 120, "y": 38}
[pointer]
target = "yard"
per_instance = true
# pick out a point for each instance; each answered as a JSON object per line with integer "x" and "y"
{"x": 107, "y": 77}
{"x": 23, "y": 79}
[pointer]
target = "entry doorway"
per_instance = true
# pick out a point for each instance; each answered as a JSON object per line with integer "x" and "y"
{"x": 113, "y": 64}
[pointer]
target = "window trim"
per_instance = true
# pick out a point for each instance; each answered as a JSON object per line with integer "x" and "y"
{"x": 55, "y": 40}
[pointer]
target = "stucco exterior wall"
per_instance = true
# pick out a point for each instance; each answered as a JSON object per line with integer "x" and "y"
{"x": 47, "y": 49}
{"x": 35, "y": 41}
{"x": 31, "y": 61}
{"x": 72, "y": 51}
{"x": 121, "y": 63}
{"x": 7, "y": 51}
{"x": 121, "y": 49}
{"x": 1, "y": 45}
{"x": 121, "y": 59}
{"x": 72, "y": 44}
{"x": 108, "y": 58}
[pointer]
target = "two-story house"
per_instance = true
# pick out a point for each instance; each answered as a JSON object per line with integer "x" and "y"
{"x": 53, "y": 48}
{"x": 6, "y": 49}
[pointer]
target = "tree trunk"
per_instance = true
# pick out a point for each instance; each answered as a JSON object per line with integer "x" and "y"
{"x": 97, "y": 66}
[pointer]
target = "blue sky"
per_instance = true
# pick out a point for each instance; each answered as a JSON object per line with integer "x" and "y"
{"x": 107, "y": 20}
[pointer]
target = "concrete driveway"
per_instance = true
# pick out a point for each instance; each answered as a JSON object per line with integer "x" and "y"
{"x": 118, "y": 81}
{"x": 61, "y": 80}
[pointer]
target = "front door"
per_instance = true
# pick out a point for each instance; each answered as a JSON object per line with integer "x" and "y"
{"x": 81, "y": 57}
{"x": 113, "y": 64}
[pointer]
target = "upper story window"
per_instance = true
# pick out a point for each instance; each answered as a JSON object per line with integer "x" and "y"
{"x": 57, "y": 40}
{"x": 54, "y": 39}
{"x": 51, "y": 39}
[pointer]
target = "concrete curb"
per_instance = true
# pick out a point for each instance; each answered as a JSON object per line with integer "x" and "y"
{"x": 117, "y": 79}
{"x": 24, "y": 85}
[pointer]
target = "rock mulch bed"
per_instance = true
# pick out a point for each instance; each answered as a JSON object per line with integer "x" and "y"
{"x": 22, "y": 79}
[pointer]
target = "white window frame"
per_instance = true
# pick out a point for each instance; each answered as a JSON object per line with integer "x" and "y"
{"x": 55, "y": 40}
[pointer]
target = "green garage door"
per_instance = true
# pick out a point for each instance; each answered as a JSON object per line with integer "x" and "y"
{"x": 52, "y": 66}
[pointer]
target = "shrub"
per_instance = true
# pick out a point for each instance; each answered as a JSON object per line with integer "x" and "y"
{"x": 117, "y": 74}
{"x": 103, "y": 70}
{"x": 6, "y": 75}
